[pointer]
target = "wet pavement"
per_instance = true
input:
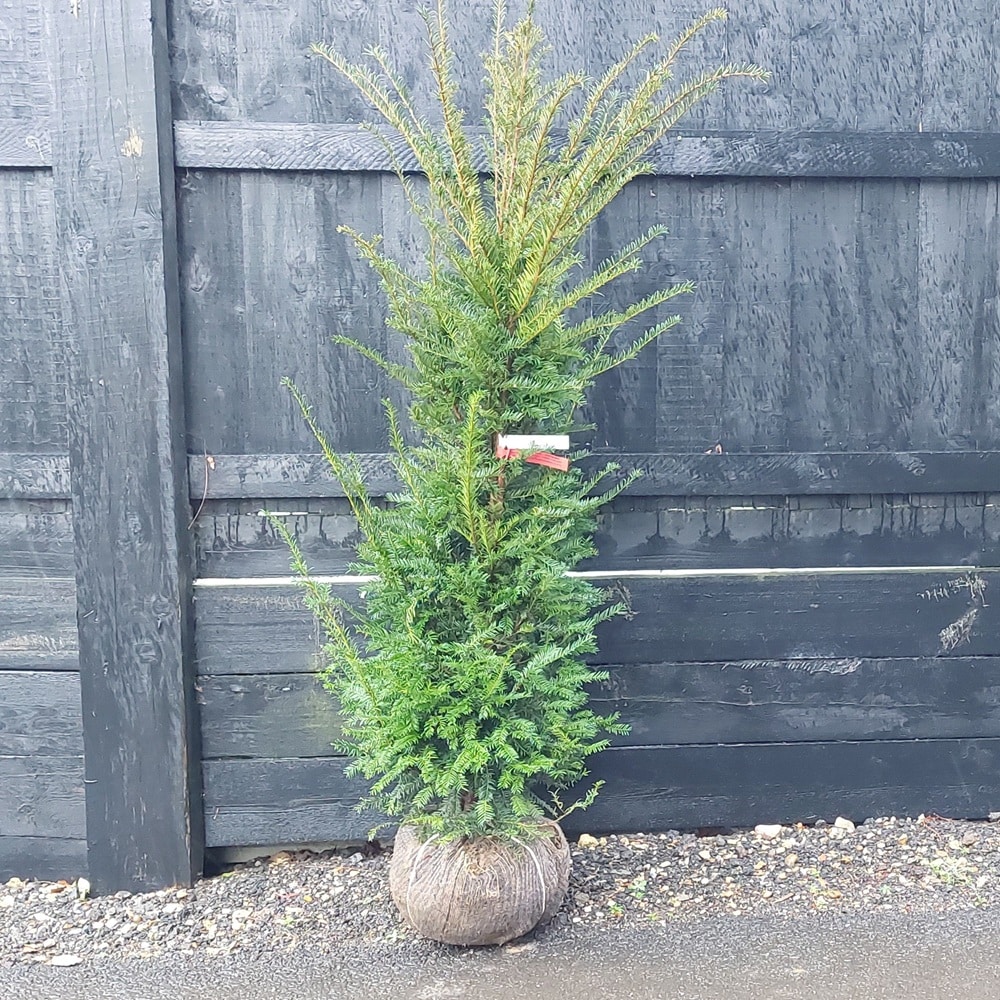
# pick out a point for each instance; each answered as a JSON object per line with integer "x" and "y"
{"x": 879, "y": 956}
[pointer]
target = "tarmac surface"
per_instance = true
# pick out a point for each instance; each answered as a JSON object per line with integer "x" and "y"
{"x": 879, "y": 956}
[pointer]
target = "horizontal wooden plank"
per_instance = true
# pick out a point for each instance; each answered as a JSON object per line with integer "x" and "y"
{"x": 257, "y": 145}
{"x": 285, "y": 801}
{"x": 641, "y": 533}
{"x": 693, "y": 786}
{"x": 38, "y": 623}
{"x": 33, "y": 476}
{"x": 42, "y": 797}
{"x": 42, "y": 858}
{"x": 266, "y": 715}
{"x": 828, "y": 473}
{"x": 790, "y": 701}
{"x": 290, "y": 801}
{"x": 769, "y": 701}
{"x": 24, "y": 143}
{"x": 234, "y": 476}
{"x": 799, "y": 532}
{"x": 36, "y": 538}
{"x": 40, "y": 714}
{"x": 694, "y": 618}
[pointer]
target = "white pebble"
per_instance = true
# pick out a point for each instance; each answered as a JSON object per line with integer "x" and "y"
{"x": 768, "y": 831}
{"x": 65, "y": 961}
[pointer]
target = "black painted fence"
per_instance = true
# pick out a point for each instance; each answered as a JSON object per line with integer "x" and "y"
{"x": 811, "y": 555}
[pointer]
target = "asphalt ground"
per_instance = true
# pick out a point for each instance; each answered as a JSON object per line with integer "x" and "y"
{"x": 868, "y": 956}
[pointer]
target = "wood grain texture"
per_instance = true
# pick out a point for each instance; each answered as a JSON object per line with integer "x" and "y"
{"x": 42, "y": 797}
{"x": 112, "y": 168}
{"x": 956, "y": 370}
{"x": 213, "y": 308}
{"x": 405, "y": 241}
{"x": 760, "y": 31}
{"x": 25, "y": 93}
{"x": 43, "y": 858}
{"x": 32, "y": 337}
{"x": 887, "y": 74}
{"x": 279, "y": 78}
{"x": 756, "y": 299}
{"x": 24, "y": 143}
{"x": 833, "y": 65}
{"x": 889, "y": 323}
{"x": 234, "y": 540}
{"x": 38, "y": 623}
{"x": 27, "y": 475}
{"x": 282, "y": 801}
{"x": 36, "y": 538}
{"x": 764, "y": 701}
{"x": 247, "y": 716}
{"x": 800, "y": 616}
{"x": 824, "y": 362}
{"x": 795, "y": 701}
{"x": 289, "y": 801}
{"x": 204, "y": 65}
{"x": 290, "y": 146}
{"x": 298, "y": 476}
{"x": 302, "y": 475}
{"x": 40, "y": 714}
{"x": 278, "y": 278}
{"x": 687, "y": 787}
{"x": 823, "y": 64}
{"x": 809, "y": 293}
{"x": 690, "y": 358}
{"x": 956, "y": 51}
{"x": 621, "y": 411}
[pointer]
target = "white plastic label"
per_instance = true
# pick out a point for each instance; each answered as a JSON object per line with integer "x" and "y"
{"x": 522, "y": 442}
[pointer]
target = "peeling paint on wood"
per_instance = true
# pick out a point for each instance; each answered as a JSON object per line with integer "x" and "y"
{"x": 132, "y": 146}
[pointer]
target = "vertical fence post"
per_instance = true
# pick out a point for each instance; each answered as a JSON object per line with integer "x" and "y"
{"x": 115, "y": 218}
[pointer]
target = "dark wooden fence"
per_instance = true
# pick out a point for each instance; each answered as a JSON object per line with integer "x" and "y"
{"x": 814, "y": 630}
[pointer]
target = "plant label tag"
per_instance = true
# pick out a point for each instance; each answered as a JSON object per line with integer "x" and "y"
{"x": 522, "y": 442}
{"x": 549, "y": 460}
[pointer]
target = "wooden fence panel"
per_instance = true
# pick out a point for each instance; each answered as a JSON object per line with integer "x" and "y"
{"x": 42, "y": 824}
{"x": 820, "y": 437}
{"x": 841, "y": 224}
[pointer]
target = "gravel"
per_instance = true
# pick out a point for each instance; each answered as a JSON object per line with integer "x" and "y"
{"x": 340, "y": 900}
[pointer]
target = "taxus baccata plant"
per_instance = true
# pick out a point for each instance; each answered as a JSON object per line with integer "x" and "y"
{"x": 462, "y": 678}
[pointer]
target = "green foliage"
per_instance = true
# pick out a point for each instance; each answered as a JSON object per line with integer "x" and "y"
{"x": 462, "y": 679}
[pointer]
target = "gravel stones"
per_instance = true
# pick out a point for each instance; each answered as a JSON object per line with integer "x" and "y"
{"x": 335, "y": 901}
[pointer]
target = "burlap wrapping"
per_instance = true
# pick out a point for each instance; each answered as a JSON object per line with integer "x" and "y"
{"x": 482, "y": 891}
